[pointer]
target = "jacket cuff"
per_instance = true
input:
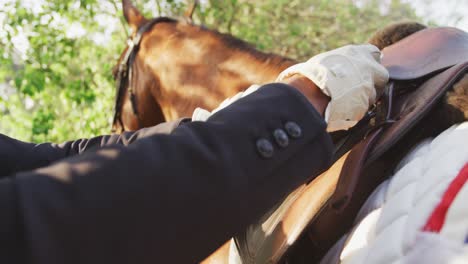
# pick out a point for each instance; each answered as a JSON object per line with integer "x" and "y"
{"x": 262, "y": 124}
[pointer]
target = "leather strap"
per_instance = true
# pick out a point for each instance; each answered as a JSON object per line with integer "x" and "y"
{"x": 356, "y": 160}
{"x": 125, "y": 72}
{"x": 411, "y": 107}
{"x": 352, "y": 168}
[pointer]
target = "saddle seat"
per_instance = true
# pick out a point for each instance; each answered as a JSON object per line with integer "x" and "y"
{"x": 425, "y": 52}
{"x": 422, "y": 68}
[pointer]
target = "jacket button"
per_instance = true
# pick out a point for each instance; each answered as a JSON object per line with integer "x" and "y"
{"x": 281, "y": 138}
{"x": 265, "y": 148}
{"x": 293, "y": 129}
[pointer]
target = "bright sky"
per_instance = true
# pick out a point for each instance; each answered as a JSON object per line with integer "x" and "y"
{"x": 444, "y": 12}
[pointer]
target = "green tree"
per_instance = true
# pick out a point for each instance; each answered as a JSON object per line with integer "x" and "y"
{"x": 301, "y": 28}
{"x": 62, "y": 79}
{"x": 57, "y": 55}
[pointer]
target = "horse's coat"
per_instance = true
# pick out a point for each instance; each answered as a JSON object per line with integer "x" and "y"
{"x": 179, "y": 66}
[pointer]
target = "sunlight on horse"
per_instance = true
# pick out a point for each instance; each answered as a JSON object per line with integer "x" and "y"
{"x": 179, "y": 66}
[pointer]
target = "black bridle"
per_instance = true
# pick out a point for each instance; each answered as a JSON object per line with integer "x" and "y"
{"x": 124, "y": 76}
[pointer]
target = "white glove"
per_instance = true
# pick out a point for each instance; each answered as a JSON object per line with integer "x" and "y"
{"x": 351, "y": 76}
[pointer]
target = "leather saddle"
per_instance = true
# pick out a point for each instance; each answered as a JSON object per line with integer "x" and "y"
{"x": 422, "y": 68}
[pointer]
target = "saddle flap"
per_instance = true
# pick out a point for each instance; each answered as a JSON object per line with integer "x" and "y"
{"x": 409, "y": 109}
{"x": 425, "y": 52}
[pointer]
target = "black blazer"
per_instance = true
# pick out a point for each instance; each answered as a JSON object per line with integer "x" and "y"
{"x": 146, "y": 197}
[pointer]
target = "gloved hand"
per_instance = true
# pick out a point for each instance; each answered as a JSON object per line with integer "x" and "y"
{"x": 351, "y": 76}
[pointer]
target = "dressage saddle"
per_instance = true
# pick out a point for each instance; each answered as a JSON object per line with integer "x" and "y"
{"x": 422, "y": 67}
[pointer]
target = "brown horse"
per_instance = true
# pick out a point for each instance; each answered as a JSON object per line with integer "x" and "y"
{"x": 176, "y": 66}
{"x": 170, "y": 67}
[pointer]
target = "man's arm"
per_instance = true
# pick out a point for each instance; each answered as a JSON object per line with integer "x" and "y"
{"x": 166, "y": 198}
{"x": 17, "y": 156}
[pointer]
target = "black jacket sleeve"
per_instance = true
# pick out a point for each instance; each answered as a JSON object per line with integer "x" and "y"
{"x": 165, "y": 198}
{"x": 17, "y": 156}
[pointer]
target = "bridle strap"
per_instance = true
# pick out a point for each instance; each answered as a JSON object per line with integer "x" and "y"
{"x": 125, "y": 72}
{"x": 121, "y": 78}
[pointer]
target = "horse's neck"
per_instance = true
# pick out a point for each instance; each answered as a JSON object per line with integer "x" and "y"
{"x": 231, "y": 76}
{"x": 257, "y": 70}
{"x": 200, "y": 69}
